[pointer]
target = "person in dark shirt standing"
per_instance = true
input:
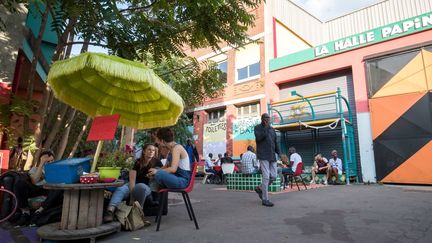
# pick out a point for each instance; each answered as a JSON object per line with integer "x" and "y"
{"x": 267, "y": 147}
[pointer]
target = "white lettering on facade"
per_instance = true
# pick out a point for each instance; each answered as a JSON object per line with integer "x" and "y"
{"x": 427, "y": 20}
{"x": 321, "y": 50}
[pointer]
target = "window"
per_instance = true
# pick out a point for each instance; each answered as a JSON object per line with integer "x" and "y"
{"x": 223, "y": 66}
{"x": 248, "y": 62}
{"x": 381, "y": 70}
{"x": 216, "y": 116}
{"x": 248, "y": 111}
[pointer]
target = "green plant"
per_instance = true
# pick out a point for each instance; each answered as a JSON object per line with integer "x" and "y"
{"x": 117, "y": 158}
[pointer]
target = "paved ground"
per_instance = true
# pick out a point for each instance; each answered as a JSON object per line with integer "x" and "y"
{"x": 356, "y": 213}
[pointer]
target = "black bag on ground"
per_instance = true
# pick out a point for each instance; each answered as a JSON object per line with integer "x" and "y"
{"x": 50, "y": 215}
{"x": 7, "y": 180}
{"x": 153, "y": 210}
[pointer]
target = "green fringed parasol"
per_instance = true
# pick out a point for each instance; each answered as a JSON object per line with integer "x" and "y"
{"x": 99, "y": 84}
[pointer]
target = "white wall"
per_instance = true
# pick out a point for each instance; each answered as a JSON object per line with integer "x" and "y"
{"x": 367, "y": 158}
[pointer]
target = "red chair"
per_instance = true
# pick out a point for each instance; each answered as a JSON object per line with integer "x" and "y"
{"x": 164, "y": 197}
{"x": 297, "y": 173}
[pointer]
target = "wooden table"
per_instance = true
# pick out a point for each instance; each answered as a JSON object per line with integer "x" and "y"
{"x": 82, "y": 213}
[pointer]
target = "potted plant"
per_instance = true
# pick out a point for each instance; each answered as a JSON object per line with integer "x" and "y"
{"x": 110, "y": 164}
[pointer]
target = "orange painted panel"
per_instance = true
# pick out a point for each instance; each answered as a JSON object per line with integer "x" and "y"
{"x": 410, "y": 78}
{"x": 239, "y": 146}
{"x": 386, "y": 110}
{"x": 427, "y": 57}
{"x": 416, "y": 170}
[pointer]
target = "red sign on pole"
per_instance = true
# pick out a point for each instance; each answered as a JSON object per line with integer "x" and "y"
{"x": 103, "y": 128}
{"x": 4, "y": 160}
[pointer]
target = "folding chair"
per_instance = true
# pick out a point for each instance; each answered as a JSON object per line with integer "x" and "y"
{"x": 297, "y": 173}
{"x": 185, "y": 193}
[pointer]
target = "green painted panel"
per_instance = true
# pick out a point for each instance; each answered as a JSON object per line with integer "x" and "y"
{"x": 33, "y": 22}
{"x": 29, "y": 54}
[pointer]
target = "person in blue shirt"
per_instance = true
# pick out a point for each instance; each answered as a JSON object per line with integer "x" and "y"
{"x": 192, "y": 151}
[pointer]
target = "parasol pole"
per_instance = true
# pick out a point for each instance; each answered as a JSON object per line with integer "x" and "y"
{"x": 98, "y": 150}
{"x": 96, "y": 157}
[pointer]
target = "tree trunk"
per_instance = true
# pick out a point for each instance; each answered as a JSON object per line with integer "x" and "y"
{"x": 36, "y": 52}
{"x": 78, "y": 140}
{"x": 41, "y": 123}
{"x": 48, "y": 97}
{"x": 56, "y": 127}
{"x": 65, "y": 138}
{"x": 63, "y": 38}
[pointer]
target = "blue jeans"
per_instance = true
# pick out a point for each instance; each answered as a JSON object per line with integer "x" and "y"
{"x": 169, "y": 180}
{"x": 140, "y": 192}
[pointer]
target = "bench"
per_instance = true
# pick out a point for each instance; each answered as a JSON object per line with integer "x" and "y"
{"x": 307, "y": 176}
{"x": 246, "y": 182}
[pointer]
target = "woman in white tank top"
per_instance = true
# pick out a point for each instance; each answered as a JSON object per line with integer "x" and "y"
{"x": 177, "y": 171}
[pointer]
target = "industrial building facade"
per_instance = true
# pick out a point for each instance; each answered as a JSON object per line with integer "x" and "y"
{"x": 378, "y": 58}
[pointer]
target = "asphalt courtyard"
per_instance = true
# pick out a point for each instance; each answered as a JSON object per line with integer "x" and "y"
{"x": 355, "y": 213}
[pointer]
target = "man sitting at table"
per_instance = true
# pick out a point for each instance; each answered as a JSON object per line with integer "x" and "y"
{"x": 31, "y": 186}
{"x": 209, "y": 164}
{"x": 249, "y": 163}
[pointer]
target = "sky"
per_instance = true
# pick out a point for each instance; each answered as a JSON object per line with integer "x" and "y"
{"x": 330, "y": 9}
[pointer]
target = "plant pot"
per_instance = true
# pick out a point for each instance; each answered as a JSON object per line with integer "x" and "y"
{"x": 109, "y": 172}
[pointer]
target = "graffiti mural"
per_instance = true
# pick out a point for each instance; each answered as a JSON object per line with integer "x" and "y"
{"x": 243, "y": 134}
{"x": 214, "y": 138}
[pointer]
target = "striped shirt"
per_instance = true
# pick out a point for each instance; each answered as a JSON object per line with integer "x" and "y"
{"x": 249, "y": 163}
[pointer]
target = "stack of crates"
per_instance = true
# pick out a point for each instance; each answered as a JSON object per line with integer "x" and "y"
{"x": 242, "y": 182}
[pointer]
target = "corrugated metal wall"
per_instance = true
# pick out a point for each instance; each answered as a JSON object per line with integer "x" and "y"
{"x": 316, "y": 32}
{"x": 298, "y": 20}
{"x": 376, "y": 15}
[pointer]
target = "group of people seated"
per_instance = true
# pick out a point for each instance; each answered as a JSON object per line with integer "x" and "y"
{"x": 288, "y": 164}
{"x": 332, "y": 167}
{"x": 149, "y": 173}
{"x": 172, "y": 169}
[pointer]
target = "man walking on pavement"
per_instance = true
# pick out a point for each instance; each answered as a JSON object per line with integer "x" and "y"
{"x": 267, "y": 146}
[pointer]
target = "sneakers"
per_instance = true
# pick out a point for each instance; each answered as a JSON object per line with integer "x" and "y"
{"x": 108, "y": 217}
{"x": 325, "y": 183}
{"x": 267, "y": 203}
{"x": 259, "y": 192}
{"x": 312, "y": 182}
{"x": 24, "y": 220}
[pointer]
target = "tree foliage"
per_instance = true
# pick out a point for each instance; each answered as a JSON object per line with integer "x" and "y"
{"x": 162, "y": 27}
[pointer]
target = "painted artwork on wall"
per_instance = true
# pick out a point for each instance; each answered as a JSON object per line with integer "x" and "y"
{"x": 401, "y": 115}
{"x": 214, "y": 138}
{"x": 243, "y": 134}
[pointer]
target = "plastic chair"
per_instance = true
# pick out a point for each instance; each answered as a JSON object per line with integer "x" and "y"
{"x": 297, "y": 173}
{"x": 227, "y": 168}
{"x": 201, "y": 169}
{"x": 164, "y": 197}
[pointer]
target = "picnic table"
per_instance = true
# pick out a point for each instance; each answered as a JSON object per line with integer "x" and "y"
{"x": 82, "y": 213}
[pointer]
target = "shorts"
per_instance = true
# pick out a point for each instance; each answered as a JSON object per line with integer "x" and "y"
{"x": 322, "y": 171}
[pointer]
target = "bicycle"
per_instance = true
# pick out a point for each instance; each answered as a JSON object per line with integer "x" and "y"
{"x": 5, "y": 194}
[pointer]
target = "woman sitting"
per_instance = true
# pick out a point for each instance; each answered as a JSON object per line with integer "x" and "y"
{"x": 138, "y": 182}
{"x": 176, "y": 173}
